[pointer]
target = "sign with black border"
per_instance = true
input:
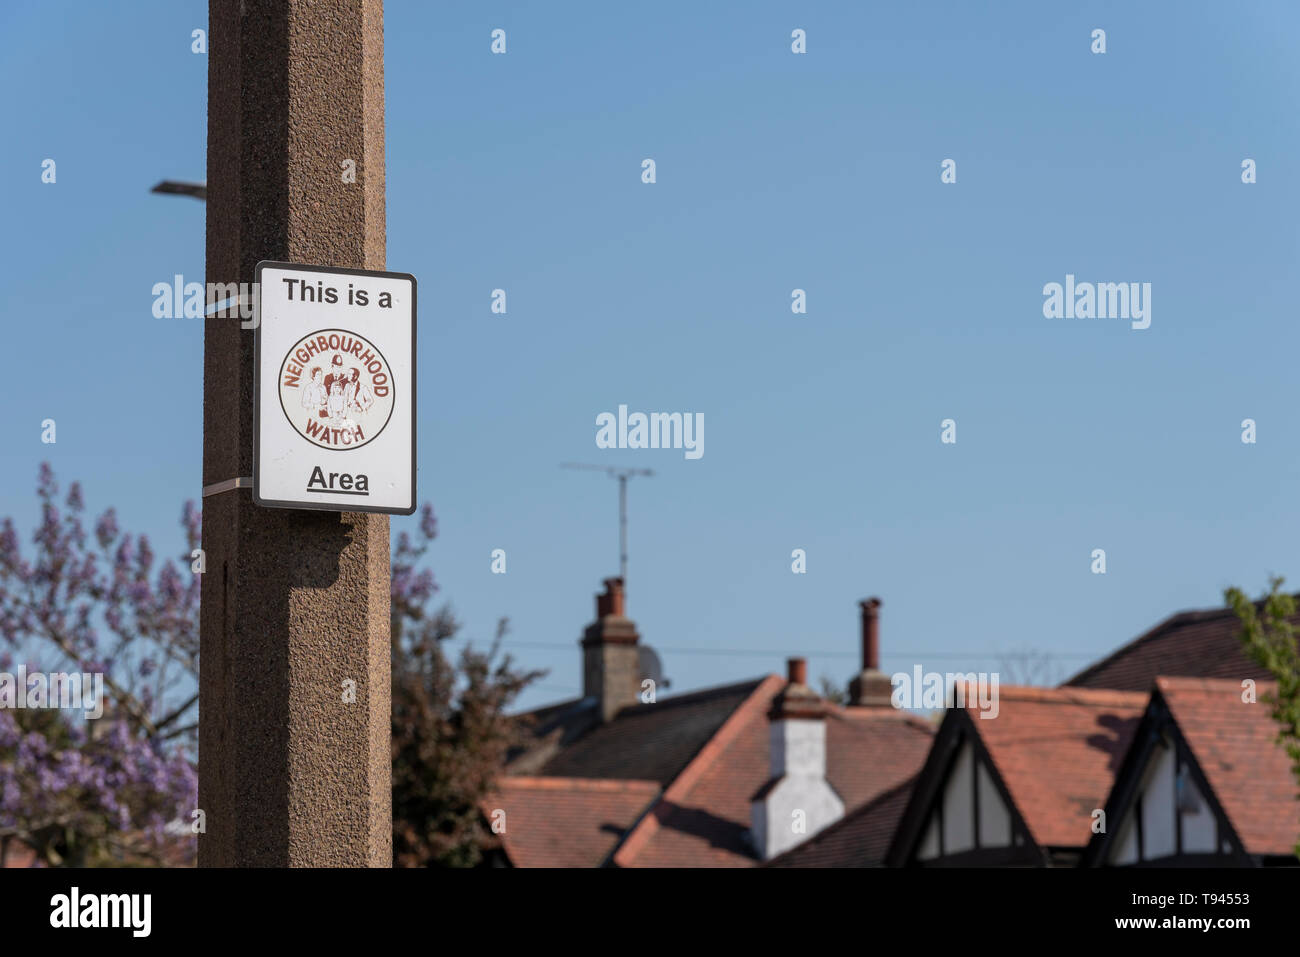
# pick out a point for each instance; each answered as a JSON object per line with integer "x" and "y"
{"x": 334, "y": 389}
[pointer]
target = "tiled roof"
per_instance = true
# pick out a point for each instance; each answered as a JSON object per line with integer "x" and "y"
{"x": 1235, "y": 744}
{"x": 1057, "y": 751}
{"x": 176, "y": 850}
{"x": 859, "y": 839}
{"x": 18, "y": 854}
{"x": 703, "y": 816}
{"x": 1200, "y": 644}
{"x": 648, "y": 742}
{"x": 566, "y": 822}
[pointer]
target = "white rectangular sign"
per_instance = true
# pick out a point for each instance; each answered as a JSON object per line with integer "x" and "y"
{"x": 335, "y": 389}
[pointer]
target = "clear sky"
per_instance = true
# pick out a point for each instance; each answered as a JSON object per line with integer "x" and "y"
{"x": 775, "y": 171}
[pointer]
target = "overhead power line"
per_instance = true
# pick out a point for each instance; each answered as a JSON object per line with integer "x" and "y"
{"x": 752, "y": 653}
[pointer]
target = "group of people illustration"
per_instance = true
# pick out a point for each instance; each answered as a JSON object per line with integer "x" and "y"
{"x": 338, "y": 395}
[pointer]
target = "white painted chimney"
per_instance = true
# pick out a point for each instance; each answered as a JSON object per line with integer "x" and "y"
{"x": 797, "y": 801}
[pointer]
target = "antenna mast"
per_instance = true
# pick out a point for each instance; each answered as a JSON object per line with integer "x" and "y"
{"x": 622, "y": 475}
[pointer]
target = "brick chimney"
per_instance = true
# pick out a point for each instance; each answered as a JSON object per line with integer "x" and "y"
{"x": 872, "y": 687}
{"x": 611, "y": 671}
{"x": 797, "y": 801}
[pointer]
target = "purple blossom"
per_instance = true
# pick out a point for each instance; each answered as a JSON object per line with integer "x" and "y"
{"x": 106, "y": 529}
{"x": 428, "y": 522}
{"x": 46, "y": 487}
{"x": 125, "y": 615}
{"x": 113, "y": 775}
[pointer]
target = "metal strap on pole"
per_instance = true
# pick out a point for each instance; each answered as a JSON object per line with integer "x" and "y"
{"x": 228, "y": 485}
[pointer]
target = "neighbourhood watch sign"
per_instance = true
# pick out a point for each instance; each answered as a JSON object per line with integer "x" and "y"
{"x": 335, "y": 389}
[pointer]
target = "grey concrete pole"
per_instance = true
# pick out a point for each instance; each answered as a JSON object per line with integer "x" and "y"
{"x": 295, "y": 604}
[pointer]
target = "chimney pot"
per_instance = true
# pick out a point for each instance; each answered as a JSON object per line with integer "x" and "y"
{"x": 870, "y": 634}
{"x": 797, "y": 670}
{"x": 871, "y": 688}
{"x": 611, "y": 602}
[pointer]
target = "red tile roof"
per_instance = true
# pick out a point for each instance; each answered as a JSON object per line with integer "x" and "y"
{"x": 177, "y": 850}
{"x": 18, "y": 854}
{"x": 1235, "y": 744}
{"x": 703, "y": 816}
{"x": 566, "y": 822}
{"x": 1201, "y": 644}
{"x": 859, "y": 839}
{"x": 1057, "y": 751}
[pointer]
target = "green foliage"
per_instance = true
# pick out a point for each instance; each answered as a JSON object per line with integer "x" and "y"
{"x": 450, "y": 728}
{"x": 833, "y": 692}
{"x": 451, "y": 735}
{"x": 1270, "y": 639}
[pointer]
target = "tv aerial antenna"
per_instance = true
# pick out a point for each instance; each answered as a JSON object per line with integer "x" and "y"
{"x": 622, "y": 475}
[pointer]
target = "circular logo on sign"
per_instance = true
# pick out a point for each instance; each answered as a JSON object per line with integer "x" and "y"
{"x": 336, "y": 389}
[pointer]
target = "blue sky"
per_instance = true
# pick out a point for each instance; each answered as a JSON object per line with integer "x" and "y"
{"x": 775, "y": 171}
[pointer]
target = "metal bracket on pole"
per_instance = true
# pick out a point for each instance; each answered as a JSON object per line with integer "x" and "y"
{"x": 228, "y": 485}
